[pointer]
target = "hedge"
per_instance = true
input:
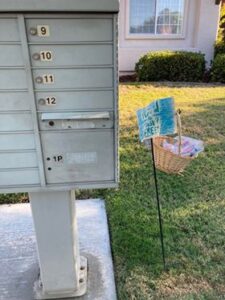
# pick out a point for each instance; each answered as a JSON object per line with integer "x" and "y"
{"x": 218, "y": 68}
{"x": 171, "y": 65}
{"x": 219, "y": 48}
{"x": 220, "y": 42}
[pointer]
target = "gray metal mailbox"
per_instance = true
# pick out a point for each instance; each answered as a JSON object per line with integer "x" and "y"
{"x": 58, "y": 122}
{"x": 58, "y": 94}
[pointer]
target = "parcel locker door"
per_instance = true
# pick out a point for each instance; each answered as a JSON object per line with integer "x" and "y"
{"x": 79, "y": 156}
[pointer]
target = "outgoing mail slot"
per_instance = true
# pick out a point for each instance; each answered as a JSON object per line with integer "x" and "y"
{"x": 81, "y": 156}
{"x": 77, "y": 120}
{"x": 71, "y": 29}
{"x": 71, "y": 55}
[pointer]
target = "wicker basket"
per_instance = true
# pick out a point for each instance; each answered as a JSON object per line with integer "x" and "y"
{"x": 166, "y": 160}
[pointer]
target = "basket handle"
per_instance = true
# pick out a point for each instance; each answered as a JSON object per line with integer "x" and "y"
{"x": 178, "y": 113}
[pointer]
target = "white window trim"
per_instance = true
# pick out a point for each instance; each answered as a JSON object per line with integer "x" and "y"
{"x": 149, "y": 36}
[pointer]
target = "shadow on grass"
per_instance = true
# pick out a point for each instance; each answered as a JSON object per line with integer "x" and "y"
{"x": 169, "y": 84}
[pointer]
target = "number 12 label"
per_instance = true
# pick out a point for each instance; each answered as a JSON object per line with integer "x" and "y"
{"x": 50, "y": 101}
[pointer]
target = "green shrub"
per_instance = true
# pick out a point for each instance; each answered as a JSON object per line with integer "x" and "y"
{"x": 220, "y": 42}
{"x": 219, "y": 48}
{"x": 171, "y": 65}
{"x": 218, "y": 68}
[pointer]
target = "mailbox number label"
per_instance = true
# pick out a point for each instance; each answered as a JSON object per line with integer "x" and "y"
{"x": 46, "y": 55}
{"x": 50, "y": 101}
{"x": 48, "y": 79}
{"x": 43, "y": 30}
{"x": 58, "y": 158}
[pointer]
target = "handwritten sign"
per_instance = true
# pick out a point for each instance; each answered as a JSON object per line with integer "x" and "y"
{"x": 158, "y": 118}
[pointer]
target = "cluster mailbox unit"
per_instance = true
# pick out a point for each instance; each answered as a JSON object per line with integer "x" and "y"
{"x": 58, "y": 120}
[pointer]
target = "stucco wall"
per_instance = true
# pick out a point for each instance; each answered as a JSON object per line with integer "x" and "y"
{"x": 200, "y": 29}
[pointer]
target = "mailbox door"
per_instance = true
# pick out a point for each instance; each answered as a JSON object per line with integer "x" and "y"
{"x": 72, "y": 55}
{"x": 70, "y": 29}
{"x": 76, "y": 100}
{"x": 80, "y": 156}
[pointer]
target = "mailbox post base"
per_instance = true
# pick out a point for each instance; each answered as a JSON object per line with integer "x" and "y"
{"x": 39, "y": 293}
{"x": 63, "y": 273}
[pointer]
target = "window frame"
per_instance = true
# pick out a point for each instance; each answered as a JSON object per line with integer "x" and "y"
{"x": 154, "y": 36}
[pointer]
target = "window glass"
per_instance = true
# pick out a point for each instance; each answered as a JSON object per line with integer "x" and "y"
{"x": 169, "y": 16}
{"x": 142, "y": 16}
{"x": 156, "y": 16}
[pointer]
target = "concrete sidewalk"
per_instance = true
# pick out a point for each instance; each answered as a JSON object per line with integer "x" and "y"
{"x": 18, "y": 256}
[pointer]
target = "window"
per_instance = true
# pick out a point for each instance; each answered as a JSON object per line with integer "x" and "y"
{"x": 156, "y": 16}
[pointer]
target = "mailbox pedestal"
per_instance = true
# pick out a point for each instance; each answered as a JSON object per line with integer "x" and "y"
{"x": 63, "y": 273}
{"x": 58, "y": 121}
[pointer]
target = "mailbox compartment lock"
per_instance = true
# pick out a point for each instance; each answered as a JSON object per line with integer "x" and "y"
{"x": 36, "y": 56}
{"x": 42, "y": 101}
{"x": 33, "y": 31}
{"x": 39, "y": 79}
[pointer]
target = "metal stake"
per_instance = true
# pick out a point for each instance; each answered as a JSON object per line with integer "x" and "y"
{"x": 158, "y": 205}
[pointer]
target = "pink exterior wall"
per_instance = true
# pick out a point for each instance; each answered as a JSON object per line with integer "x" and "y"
{"x": 200, "y": 30}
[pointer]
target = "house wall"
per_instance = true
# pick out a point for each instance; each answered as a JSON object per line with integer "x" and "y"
{"x": 200, "y": 30}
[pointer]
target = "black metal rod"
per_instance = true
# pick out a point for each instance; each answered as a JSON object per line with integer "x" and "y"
{"x": 158, "y": 205}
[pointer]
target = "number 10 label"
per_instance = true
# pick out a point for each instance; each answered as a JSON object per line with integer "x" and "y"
{"x": 46, "y": 55}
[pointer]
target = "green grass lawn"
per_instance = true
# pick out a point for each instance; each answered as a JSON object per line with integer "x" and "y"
{"x": 193, "y": 205}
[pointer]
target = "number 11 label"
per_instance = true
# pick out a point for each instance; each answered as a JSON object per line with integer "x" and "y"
{"x": 48, "y": 78}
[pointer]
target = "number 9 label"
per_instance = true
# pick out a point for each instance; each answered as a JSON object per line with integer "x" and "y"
{"x": 43, "y": 30}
